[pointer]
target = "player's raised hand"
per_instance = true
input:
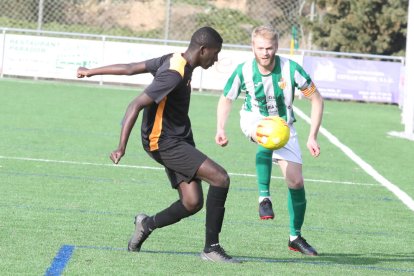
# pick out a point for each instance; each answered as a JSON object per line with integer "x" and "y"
{"x": 116, "y": 155}
{"x": 82, "y": 72}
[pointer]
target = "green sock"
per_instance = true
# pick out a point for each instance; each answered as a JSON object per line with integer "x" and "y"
{"x": 263, "y": 170}
{"x": 296, "y": 208}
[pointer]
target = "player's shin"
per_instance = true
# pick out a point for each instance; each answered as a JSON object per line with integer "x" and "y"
{"x": 168, "y": 216}
{"x": 216, "y": 199}
{"x": 263, "y": 170}
{"x": 297, "y": 209}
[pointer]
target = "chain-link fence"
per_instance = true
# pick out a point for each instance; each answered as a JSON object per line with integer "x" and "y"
{"x": 159, "y": 19}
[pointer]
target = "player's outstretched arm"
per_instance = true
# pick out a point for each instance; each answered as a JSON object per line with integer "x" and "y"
{"x": 316, "y": 120}
{"x": 115, "y": 69}
{"x": 223, "y": 112}
{"x": 128, "y": 123}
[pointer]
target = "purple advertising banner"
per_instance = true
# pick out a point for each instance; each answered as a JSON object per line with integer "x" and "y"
{"x": 354, "y": 79}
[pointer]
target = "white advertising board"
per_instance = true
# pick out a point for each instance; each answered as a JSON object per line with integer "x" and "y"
{"x": 1, "y": 53}
{"x": 48, "y": 57}
{"x": 216, "y": 76}
{"x": 59, "y": 58}
{"x": 121, "y": 52}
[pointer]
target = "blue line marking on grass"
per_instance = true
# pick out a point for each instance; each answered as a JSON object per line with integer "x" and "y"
{"x": 60, "y": 261}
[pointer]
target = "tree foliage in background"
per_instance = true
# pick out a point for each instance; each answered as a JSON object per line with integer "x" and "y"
{"x": 361, "y": 26}
{"x": 235, "y": 29}
{"x": 22, "y": 10}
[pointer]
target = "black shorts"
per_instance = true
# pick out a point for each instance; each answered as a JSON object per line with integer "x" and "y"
{"x": 181, "y": 162}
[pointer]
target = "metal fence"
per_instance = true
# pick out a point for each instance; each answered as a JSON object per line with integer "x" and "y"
{"x": 159, "y": 19}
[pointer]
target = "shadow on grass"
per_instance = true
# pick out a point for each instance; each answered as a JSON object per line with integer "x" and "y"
{"x": 372, "y": 261}
{"x": 354, "y": 261}
{"x": 364, "y": 259}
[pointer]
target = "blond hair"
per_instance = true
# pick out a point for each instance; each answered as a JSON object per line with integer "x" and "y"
{"x": 265, "y": 31}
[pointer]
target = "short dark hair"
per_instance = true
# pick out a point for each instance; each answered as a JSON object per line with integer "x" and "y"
{"x": 207, "y": 37}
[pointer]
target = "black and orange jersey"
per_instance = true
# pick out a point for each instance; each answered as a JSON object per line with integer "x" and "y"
{"x": 166, "y": 121}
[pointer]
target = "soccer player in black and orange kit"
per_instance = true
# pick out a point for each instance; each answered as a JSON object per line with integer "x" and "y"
{"x": 167, "y": 137}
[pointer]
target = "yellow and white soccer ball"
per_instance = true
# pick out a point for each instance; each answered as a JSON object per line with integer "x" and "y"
{"x": 272, "y": 132}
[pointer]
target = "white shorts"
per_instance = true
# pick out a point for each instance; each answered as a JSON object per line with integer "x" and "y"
{"x": 290, "y": 152}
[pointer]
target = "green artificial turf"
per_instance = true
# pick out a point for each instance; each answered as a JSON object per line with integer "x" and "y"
{"x": 58, "y": 188}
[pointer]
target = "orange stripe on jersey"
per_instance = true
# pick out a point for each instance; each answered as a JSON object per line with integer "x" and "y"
{"x": 310, "y": 90}
{"x": 157, "y": 127}
{"x": 177, "y": 63}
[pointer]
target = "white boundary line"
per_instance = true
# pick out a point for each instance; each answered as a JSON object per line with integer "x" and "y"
{"x": 160, "y": 168}
{"x": 312, "y": 180}
{"x": 400, "y": 194}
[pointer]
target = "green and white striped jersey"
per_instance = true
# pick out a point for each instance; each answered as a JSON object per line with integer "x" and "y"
{"x": 271, "y": 94}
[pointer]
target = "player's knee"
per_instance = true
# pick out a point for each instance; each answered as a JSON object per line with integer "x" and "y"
{"x": 214, "y": 174}
{"x": 296, "y": 183}
{"x": 193, "y": 205}
{"x": 224, "y": 180}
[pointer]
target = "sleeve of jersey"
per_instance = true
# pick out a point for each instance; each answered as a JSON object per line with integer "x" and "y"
{"x": 233, "y": 86}
{"x": 153, "y": 64}
{"x": 304, "y": 82}
{"x": 163, "y": 83}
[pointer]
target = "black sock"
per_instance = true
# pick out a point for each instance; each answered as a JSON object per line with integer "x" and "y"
{"x": 168, "y": 216}
{"x": 216, "y": 198}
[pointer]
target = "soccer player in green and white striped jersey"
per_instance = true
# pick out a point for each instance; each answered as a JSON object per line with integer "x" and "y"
{"x": 269, "y": 82}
